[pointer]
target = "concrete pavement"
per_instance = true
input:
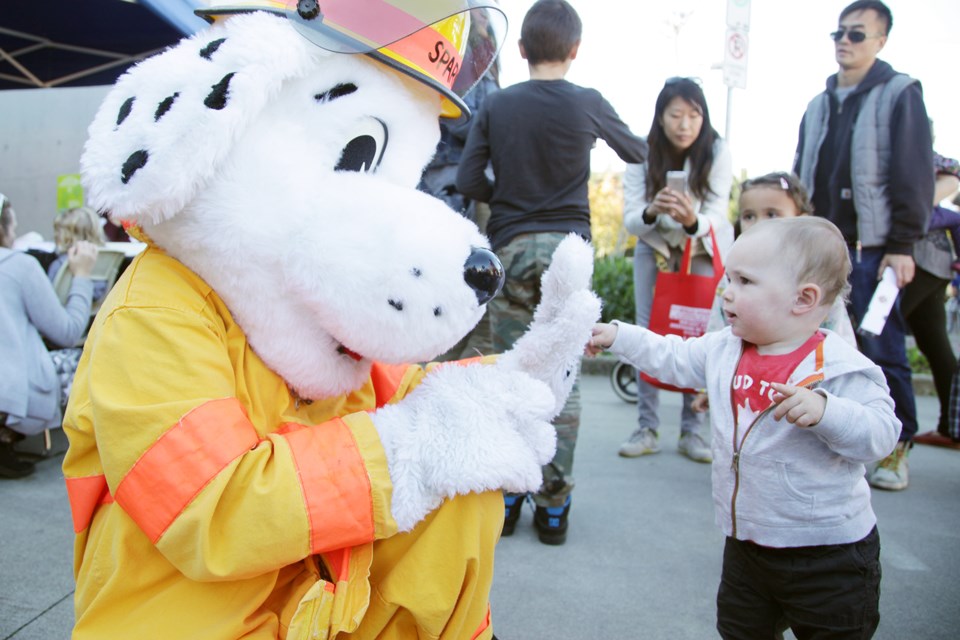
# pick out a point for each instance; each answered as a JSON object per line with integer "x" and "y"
{"x": 642, "y": 558}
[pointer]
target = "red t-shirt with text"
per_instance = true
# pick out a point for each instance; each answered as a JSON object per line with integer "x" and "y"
{"x": 752, "y": 392}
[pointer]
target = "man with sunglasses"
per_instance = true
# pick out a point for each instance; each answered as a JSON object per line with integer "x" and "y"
{"x": 865, "y": 155}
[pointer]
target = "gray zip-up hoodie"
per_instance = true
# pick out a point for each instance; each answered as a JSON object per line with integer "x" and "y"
{"x": 776, "y": 484}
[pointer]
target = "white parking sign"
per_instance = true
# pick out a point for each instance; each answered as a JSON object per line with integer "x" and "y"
{"x": 737, "y": 44}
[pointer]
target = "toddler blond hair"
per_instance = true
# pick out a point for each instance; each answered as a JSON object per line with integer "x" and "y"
{"x": 816, "y": 249}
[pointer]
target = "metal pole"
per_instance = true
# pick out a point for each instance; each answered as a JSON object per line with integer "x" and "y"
{"x": 726, "y": 129}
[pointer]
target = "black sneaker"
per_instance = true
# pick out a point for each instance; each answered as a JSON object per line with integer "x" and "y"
{"x": 513, "y": 503}
{"x": 12, "y": 466}
{"x": 551, "y": 523}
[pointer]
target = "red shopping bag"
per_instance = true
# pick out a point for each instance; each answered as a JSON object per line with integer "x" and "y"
{"x": 682, "y": 302}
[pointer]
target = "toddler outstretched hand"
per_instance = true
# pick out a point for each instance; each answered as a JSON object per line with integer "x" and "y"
{"x": 601, "y": 337}
{"x": 801, "y": 406}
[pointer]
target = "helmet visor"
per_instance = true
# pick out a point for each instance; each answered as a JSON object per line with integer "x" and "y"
{"x": 453, "y": 41}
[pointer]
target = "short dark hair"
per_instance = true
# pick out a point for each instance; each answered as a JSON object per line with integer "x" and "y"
{"x": 874, "y": 5}
{"x": 550, "y": 30}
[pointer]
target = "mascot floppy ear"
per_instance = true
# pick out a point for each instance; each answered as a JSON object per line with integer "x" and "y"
{"x": 170, "y": 122}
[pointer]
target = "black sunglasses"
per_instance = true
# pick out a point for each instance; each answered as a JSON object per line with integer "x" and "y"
{"x": 856, "y": 37}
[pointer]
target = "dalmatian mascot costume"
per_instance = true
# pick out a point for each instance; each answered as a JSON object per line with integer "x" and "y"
{"x": 251, "y": 453}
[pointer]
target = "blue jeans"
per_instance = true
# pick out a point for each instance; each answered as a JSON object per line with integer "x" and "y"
{"x": 889, "y": 349}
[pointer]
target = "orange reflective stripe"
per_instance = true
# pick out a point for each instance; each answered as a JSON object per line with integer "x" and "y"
{"x": 181, "y": 463}
{"x": 817, "y": 375}
{"x": 387, "y": 379}
{"x": 483, "y": 625}
{"x": 336, "y": 488}
{"x": 85, "y": 495}
{"x": 338, "y": 562}
{"x": 432, "y": 53}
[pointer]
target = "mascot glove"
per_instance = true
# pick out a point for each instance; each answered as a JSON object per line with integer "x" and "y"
{"x": 465, "y": 429}
{"x": 478, "y": 428}
{"x": 552, "y": 347}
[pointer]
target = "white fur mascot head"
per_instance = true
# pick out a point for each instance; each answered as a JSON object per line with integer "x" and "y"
{"x": 283, "y": 174}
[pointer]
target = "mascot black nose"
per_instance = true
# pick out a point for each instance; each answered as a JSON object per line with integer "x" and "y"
{"x": 483, "y": 273}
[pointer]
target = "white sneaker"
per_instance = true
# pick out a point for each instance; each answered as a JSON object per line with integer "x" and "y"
{"x": 893, "y": 472}
{"x": 641, "y": 442}
{"x": 693, "y": 446}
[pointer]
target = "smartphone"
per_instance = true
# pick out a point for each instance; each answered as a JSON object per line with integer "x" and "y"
{"x": 677, "y": 181}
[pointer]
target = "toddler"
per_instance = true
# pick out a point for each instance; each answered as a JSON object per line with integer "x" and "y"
{"x": 797, "y": 413}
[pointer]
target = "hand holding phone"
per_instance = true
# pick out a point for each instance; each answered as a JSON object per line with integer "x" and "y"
{"x": 677, "y": 181}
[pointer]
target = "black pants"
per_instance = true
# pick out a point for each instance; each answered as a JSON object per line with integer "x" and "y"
{"x": 824, "y": 592}
{"x": 922, "y": 304}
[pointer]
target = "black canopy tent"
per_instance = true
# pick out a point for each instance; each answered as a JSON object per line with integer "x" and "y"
{"x": 72, "y": 51}
{"x": 76, "y": 43}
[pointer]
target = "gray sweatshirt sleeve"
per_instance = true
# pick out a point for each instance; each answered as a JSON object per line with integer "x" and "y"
{"x": 671, "y": 359}
{"x": 858, "y": 422}
{"x": 61, "y": 324}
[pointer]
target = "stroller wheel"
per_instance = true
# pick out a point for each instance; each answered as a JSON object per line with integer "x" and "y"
{"x": 623, "y": 379}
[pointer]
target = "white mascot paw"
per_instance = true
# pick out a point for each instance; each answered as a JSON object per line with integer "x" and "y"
{"x": 551, "y": 348}
{"x": 465, "y": 429}
{"x": 478, "y": 428}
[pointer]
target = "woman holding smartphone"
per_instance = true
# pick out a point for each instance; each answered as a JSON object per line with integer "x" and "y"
{"x": 663, "y": 208}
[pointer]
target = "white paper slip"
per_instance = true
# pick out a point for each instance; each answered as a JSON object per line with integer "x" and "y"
{"x": 880, "y": 304}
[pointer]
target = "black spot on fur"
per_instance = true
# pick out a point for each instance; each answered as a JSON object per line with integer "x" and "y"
{"x": 416, "y": 272}
{"x": 134, "y": 163}
{"x": 211, "y": 48}
{"x": 337, "y": 92}
{"x": 437, "y": 311}
{"x": 125, "y": 110}
{"x": 218, "y": 97}
{"x": 396, "y": 304}
{"x": 164, "y": 106}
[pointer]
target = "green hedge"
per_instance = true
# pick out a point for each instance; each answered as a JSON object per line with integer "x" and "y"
{"x": 613, "y": 282}
{"x": 918, "y": 361}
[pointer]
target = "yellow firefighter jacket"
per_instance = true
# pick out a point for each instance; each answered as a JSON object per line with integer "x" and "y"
{"x": 210, "y": 502}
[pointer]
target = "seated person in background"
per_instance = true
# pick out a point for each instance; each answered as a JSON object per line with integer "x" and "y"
{"x": 30, "y": 394}
{"x": 80, "y": 224}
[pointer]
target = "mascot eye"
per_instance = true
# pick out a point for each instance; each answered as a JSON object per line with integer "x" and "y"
{"x": 364, "y": 151}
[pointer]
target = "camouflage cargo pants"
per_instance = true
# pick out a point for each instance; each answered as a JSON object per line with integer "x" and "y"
{"x": 525, "y": 259}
